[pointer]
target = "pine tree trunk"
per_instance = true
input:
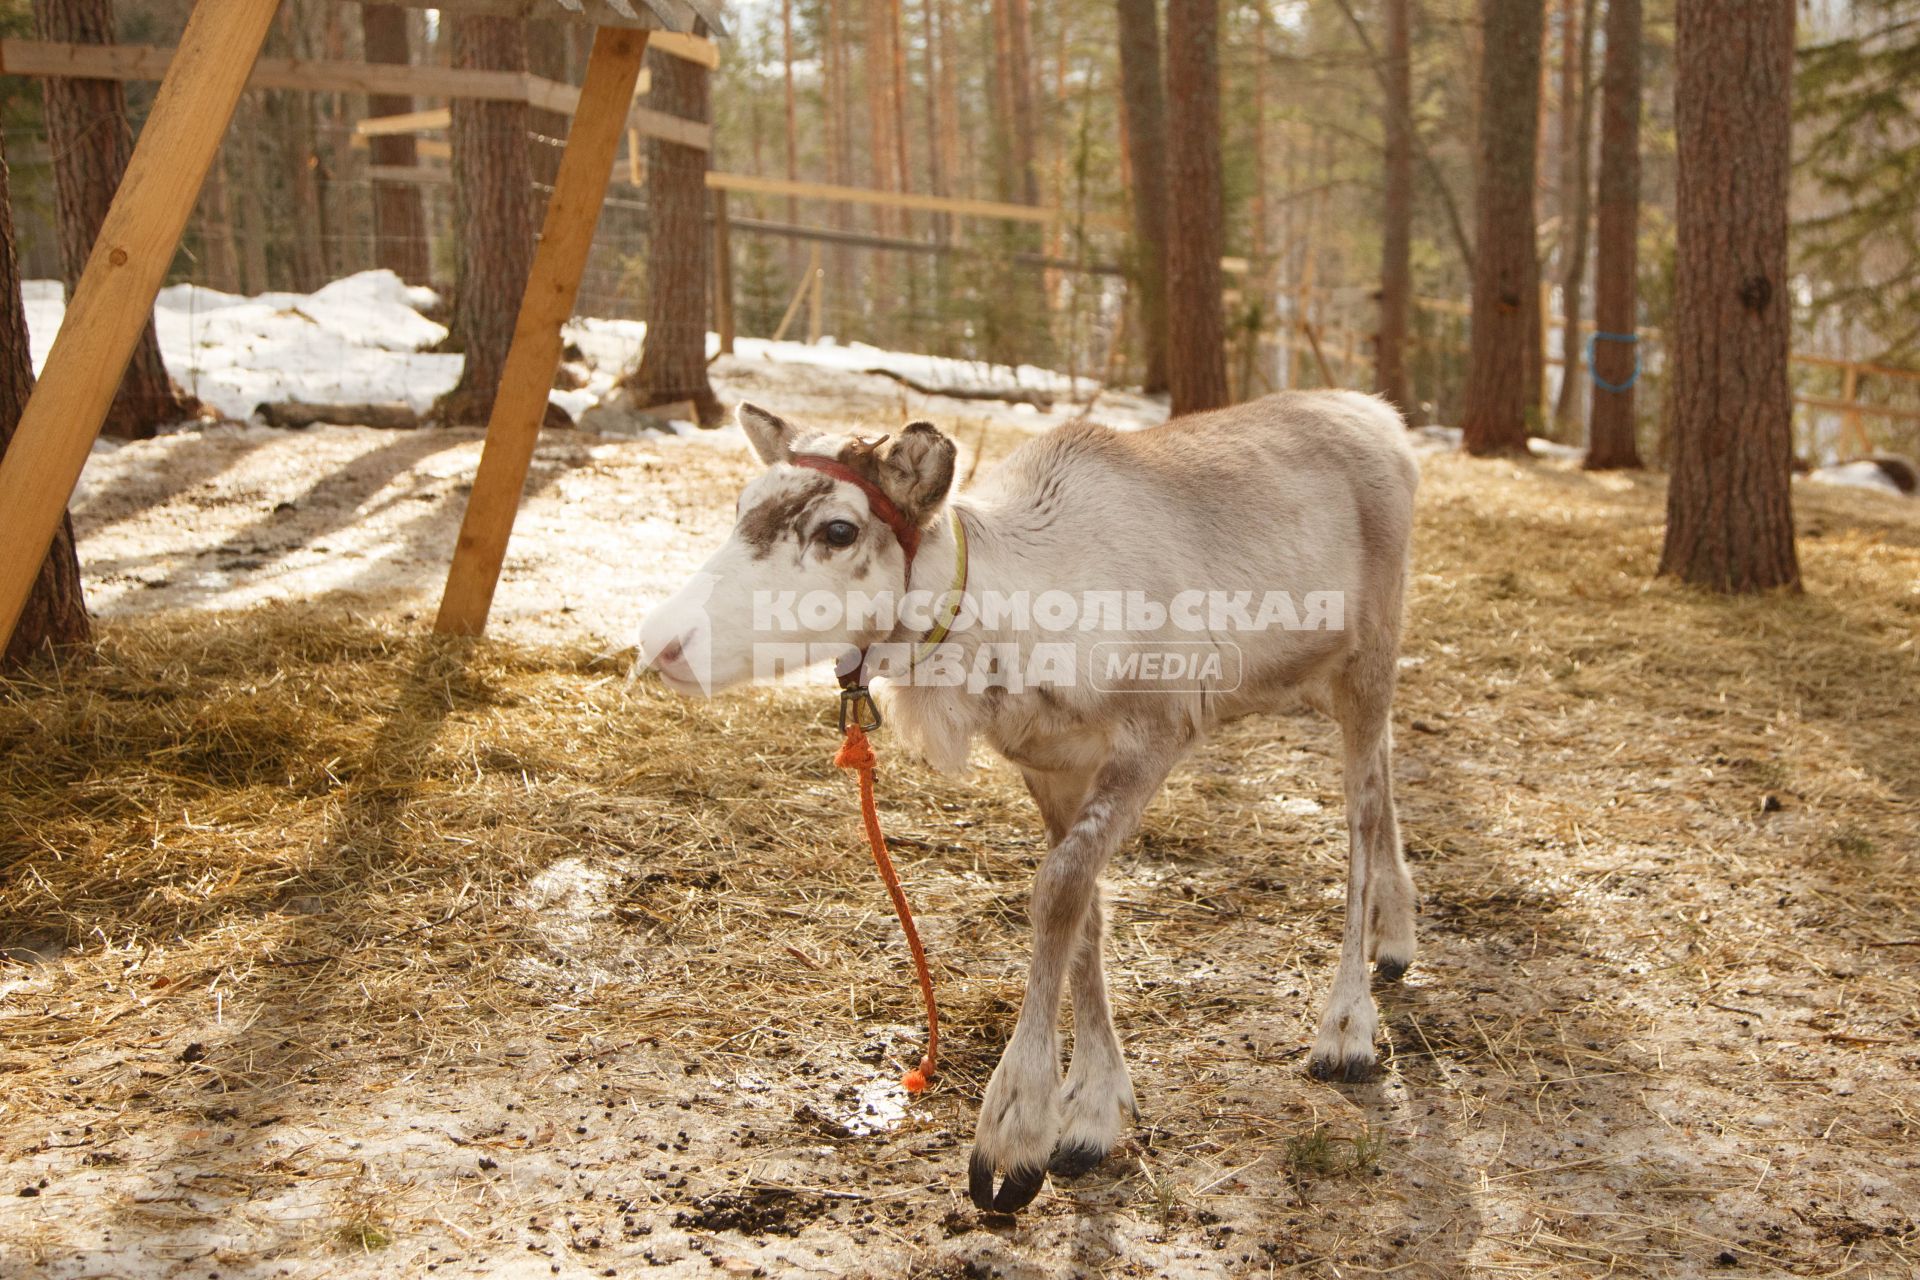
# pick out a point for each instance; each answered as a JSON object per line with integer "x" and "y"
{"x": 1396, "y": 235}
{"x": 308, "y": 239}
{"x": 55, "y": 615}
{"x": 1729, "y": 504}
{"x": 1611, "y": 434}
{"x": 91, "y": 141}
{"x": 1576, "y": 126}
{"x": 1506, "y": 271}
{"x": 673, "y": 365}
{"x": 243, "y": 144}
{"x": 903, "y": 156}
{"x": 1144, "y": 108}
{"x": 936, "y": 128}
{"x": 795, "y": 256}
{"x": 399, "y": 213}
{"x": 1025, "y": 134}
{"x": 220, "y": 248}
{"x": 1196, "y": 213}
{"x": 493, "y": 215}
{"x": 880, "y": 130}
{"x": 839, "y": 148}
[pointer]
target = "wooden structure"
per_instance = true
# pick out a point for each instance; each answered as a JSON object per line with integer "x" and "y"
{"x": 217, "y": 56}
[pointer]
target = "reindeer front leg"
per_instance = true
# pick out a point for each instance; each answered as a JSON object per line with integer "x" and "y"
{"x": 1020, "y": 1117}
{"x": 1098, "y": 1092}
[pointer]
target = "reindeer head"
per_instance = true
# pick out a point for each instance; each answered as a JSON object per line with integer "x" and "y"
{"x": 809, "y": 548}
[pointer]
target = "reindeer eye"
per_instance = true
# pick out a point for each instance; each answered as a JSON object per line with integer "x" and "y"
{"x": 840, "y": 533}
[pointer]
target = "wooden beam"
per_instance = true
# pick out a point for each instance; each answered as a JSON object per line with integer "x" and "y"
{"x": 520, "y": 405}
{"x": 406, "y": 122}
{"x": 134, "y": 62}
{"x": 754, "y": 185}
{"x": 688, "y": 48}
{"x": 113, "y": 303}
{"x": 645, "y": 121}
{"x": 150, "y": 62}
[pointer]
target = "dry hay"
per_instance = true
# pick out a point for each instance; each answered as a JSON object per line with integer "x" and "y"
{"x": 335, "y": 949}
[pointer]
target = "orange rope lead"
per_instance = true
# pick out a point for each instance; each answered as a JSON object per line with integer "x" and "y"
{"x": 857, "y": 753}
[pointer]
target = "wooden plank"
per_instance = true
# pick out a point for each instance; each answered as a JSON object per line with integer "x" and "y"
{"x": 645, "y": 121}
{"x": 688, "y": 48}
{"x": 756, "y": 185}
{"x": 113, "y": 303}
{"x": 1852, "y": 406}
{"x": 150, "y": 62}
{"x": 406, "y": 122}
{"x": 554, "y": 282}
{"x": 132, "y": 62}
{"x": 658, "y": 124}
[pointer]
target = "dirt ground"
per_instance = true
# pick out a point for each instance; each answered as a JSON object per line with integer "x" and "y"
{"x": 332, "y": 950}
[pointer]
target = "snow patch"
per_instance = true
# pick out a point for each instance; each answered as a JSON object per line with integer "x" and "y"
{"x": 1865, "y": 474}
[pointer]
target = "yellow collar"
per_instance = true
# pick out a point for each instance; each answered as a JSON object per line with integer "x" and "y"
{"x": 955, "y": 594}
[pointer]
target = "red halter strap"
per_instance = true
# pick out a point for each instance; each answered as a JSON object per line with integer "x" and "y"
{"x": 904, "y": 530}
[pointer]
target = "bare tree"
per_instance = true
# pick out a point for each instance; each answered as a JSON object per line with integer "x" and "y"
{"x": 399, "y": 216}
{"x": 493, "y": 214}
{"x": 1576, "y": 146}
{"x": 1616, "y": 286}
{"x": 1396, "y": 233}
{"x": 91, "y": 140}
{"x": 1729, "y": 504}
{"x": 55, "y": 615}
{"x": 1143, "y": 104}
{"x": 1196, "y": 218}
{"x": 1506, "y": 268}
{"x": 673, "y": 365}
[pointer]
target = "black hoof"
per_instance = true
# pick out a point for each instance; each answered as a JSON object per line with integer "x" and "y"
{"x": 1391, "y": 970}
{"x": 1355, "y": 1070}
{"x": 1016, "y": 1193}
{"x": 1075, "y": 1160}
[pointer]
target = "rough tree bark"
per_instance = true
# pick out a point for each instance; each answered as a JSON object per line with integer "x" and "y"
{"x": 1729, "y": 504}
{"x": 55, "y": 616}
{"x": 311, "y": 246}
{"x": 795, "y": 255}
{"x": 673, "y": 365}
{"x": 399, "y": 216}
{"x": 1396, "y": 235}
{"x": 1611, "y": 431}
{"x": 1506, "y": 269}
{"x": 493, "y": 216}
{"x": 91, "y": 141}
{"x": 1196, "y": 211}
{"x": 1144, "y": 106}
{"x": 1576, "y": 127}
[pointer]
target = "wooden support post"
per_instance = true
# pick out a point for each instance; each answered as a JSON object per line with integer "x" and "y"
{"x": 793, "y": 306}
{"x": 554, "y": 282}
{"x": 114, "y": 300}
{"x": 1853, "y": 432}
{"x": 816, "y": 305}
{"x": 722, "y": 274}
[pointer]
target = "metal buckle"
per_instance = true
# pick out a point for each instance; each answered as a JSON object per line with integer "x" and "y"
{"x": 856, "y": 707}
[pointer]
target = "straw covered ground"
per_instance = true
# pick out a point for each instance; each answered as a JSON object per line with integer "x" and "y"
{"x": 335, "y": 950}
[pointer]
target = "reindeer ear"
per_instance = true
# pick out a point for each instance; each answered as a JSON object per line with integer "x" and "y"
{"x": 916, "y": 469}
{"x": 770, "y": 436}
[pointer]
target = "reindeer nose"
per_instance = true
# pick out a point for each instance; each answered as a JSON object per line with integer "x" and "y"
{"x": 671, "y": 661}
